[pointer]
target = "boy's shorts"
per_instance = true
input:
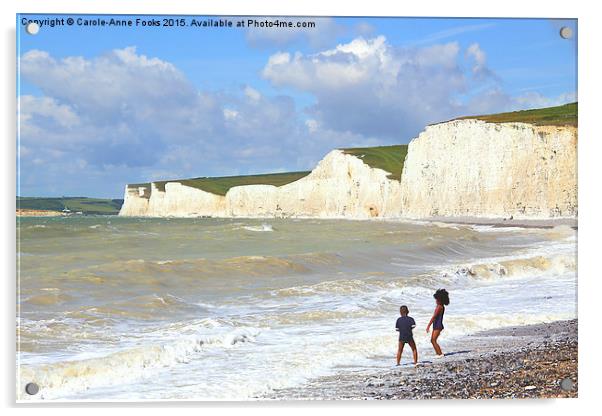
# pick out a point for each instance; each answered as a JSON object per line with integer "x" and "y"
{"x": 406, "y": 340}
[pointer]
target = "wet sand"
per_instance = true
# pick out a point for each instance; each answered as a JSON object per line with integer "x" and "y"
{"x": 514, "y": 362}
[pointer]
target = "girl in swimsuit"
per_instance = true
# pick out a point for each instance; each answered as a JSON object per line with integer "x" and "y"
{"x": 442, "y": 298}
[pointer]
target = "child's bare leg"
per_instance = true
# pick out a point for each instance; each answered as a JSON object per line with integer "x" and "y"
{"x": 436, "y": 333}
{"x": 399, "y": 351}
{"x": 414, "y": 351}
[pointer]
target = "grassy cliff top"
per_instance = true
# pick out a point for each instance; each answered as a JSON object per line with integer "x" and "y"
{"x": 563, "y": 115}
{"x": 221, "y": 185}
{"x": 75, "y": 204}
{"x": 387, "y": 158}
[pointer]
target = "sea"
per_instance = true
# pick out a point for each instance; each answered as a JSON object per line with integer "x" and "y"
{"x": 115, "y": 308}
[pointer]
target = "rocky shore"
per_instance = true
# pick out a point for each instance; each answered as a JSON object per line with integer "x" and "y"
{"x": 515, "y": 362}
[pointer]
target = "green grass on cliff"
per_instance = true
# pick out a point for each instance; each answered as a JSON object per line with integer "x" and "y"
{"x": 387, "y": 158}
{"x": 75, "y": 204}
{"x": 564, "y": 115}
{"x": 221, "y": 185}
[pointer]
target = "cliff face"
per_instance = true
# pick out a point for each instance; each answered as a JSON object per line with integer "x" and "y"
{"x": 467, "y": 168}
{"x": 341, "y": 186}
{"x": 474, "y": 168}
{"x": 135, "y": 201}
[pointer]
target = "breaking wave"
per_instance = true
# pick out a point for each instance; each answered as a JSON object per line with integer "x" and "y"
{"x": 259, "y": 228}
{"x": 68, "y": 377}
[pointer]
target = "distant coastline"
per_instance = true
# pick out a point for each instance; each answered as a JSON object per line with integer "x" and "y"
{"x": 38, "y": 213}
{"x": 46, "y": 206}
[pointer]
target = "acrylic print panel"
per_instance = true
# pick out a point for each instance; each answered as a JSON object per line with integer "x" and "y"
{"x": 242, "y": 208}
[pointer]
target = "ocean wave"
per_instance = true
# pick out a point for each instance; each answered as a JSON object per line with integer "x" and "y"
{"x": 36, "y": 226}
{"x": 518, "y": 267}
{"x": 259, "y": 228}
{"x": 145, "y": 302}
{"x": 48, "y": 299}
{"x": 550, "y": 261}
{"x": 68, "y": 377}
{"x": 342, "y": 286}
{"x": 151, "y": 270}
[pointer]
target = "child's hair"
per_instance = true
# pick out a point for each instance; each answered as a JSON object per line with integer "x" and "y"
{"x": 404, "y": 310}
{"x": 442, "y": 296}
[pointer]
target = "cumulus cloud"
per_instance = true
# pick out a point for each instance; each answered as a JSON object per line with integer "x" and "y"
{"x": 370, "y": 87}
{"x": 480, "y": 70}
{"x": 129, "y": 113}
{"x": 373, "y": 88}
{"x": 475, "y": 51}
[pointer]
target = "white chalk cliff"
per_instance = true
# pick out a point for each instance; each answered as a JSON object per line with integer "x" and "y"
{"x": 479, "y": 169}
{"x": 455, "y": 169}
{"x": 340, "y": 186}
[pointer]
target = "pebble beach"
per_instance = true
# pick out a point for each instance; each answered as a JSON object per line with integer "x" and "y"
{"x": 507, "y": 363}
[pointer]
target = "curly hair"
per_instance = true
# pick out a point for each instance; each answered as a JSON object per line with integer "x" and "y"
{"x": 442, "y": 296}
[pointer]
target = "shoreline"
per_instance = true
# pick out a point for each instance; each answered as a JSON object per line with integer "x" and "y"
{"x": 21, "y": 212}
{"x": 506, "y": 222}
{"x": 511, "y": 362}
{"x": 542, "y": 223}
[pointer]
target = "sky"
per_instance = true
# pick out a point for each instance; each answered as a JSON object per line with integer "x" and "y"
{"x": 100, "y": 107}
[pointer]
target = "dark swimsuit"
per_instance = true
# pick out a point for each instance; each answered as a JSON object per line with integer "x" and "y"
{"x": 438, "y": 322}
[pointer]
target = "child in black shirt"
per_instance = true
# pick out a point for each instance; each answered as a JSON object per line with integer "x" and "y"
{"x": 404, "y": 326}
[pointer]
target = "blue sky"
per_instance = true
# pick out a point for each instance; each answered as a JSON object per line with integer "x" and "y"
{"x": 102, "y": 107}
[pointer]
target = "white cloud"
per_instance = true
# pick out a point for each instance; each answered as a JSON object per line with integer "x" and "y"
{"x": 120, "y": 81}
{"x": 332, "y": 69}
{"x": 312, "y": 125}
{"x": 137, "y": 115}
{"x": 61, "y": 114}
{"x": 475, "y": 51}
{"x": 479, "y": 68}
{"x": 375, "y": 89}
{"x": 252, "y": 93}
{"x": 230, "y": 114}
{"x": 370, "y": 87}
